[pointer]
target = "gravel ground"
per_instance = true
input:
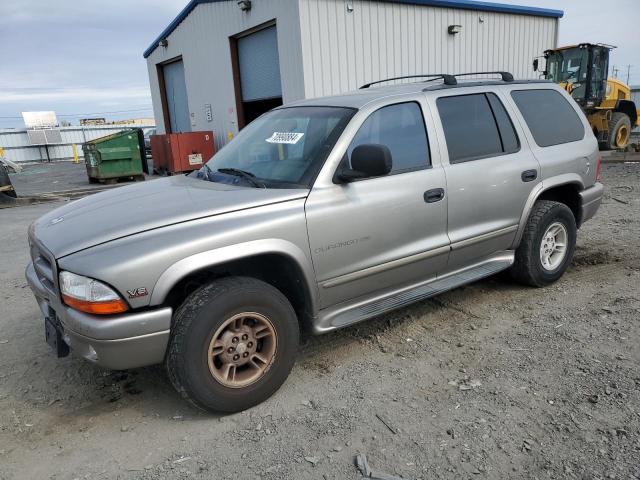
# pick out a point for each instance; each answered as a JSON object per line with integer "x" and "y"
{"x": 492, "y": 380}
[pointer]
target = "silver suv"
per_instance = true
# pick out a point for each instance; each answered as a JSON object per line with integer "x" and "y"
{"x": 319, "y": 214}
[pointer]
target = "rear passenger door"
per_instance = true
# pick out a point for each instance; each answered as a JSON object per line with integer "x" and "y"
{"x": 557, "y": 131}
{"x": 489, "y": 174}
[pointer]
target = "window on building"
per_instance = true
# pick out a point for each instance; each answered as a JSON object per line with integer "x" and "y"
{"x": 399, "y": 127}
{"x": 476, "y": 126}
{"x": 549, "y": 116}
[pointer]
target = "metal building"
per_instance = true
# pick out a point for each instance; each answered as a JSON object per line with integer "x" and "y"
{"x": 222, "y": 63}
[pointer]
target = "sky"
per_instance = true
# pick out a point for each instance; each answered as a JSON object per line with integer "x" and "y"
{"x": 84, "y": 58}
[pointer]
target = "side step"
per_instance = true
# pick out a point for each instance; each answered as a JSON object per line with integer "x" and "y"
{"x": 346, "y": 314}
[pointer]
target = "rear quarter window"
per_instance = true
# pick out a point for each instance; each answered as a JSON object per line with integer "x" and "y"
{"x": 549, "y": 116}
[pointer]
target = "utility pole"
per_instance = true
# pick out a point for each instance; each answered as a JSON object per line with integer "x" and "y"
{"x": 628, "y": 69}
{"x": 615, "y": 71}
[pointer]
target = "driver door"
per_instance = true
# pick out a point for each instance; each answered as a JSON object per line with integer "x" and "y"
{"x": 381, "y": 233}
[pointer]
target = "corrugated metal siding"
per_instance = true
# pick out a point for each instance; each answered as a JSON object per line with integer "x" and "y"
{"x": 343, "y": 50}
{"x": 18, "y": 149}
{"x": 203, "y": 41}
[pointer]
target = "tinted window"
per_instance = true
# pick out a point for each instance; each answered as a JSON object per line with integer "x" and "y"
{"x": 470, "y": 127}
{"x": 401, "y": 128}
{"x": 551, "y": 119}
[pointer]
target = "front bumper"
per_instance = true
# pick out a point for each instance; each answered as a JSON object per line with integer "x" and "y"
{"x": 117, "y": 342}
{"x": 590, "y": 200}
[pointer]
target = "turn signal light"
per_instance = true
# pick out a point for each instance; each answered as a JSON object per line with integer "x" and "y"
{"x": 97, "y": 308}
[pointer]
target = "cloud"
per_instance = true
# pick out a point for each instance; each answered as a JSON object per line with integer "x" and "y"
{"x": 77, "y": 56}
{"x": 76, "y": 94}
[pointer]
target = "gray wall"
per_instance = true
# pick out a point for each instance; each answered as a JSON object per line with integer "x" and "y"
{"x": 18, "y": 149}
{"x": 324, "y": 49}
{"x": 203, "y": 41}
{"x": 343, "y": 50}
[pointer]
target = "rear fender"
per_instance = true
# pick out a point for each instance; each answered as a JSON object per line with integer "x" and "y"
{"x": 628, "y": 107}
{"x": 565, "y": 179}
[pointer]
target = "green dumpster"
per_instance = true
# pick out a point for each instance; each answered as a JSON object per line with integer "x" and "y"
{"x": 120, "y": 155}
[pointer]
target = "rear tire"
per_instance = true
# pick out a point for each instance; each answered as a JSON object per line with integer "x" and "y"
{"x": 233, "y": 344}
{"x": 619, "y": 130}
{"x": 547, "y": 245}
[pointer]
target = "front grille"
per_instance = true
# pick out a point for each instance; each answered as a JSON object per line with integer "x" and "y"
{"x": 44, "y": 265}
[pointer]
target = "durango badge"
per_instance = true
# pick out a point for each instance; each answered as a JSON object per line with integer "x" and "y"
{"x": 138, "y": 292}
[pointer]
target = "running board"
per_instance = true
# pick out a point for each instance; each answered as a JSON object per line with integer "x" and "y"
{"x": 346, "y": 314}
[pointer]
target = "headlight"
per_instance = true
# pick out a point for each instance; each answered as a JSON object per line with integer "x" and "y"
{"x": 89, "y": 295}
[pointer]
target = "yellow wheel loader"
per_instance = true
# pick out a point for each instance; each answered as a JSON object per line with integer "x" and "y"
{"x": 582, "y": 71}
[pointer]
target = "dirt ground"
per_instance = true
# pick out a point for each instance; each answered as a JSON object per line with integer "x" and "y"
{"x": 492, "y": 380}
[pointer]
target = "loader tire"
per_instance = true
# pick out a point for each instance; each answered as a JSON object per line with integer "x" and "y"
{"x": 619, "y": 130}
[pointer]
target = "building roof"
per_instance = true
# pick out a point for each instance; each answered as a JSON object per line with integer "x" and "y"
{"x": 460, "y": 4}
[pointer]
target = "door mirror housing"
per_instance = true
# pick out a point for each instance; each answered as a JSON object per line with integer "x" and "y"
{"x": 368, "y": 160}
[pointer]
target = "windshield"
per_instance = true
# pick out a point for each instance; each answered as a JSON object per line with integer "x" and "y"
{"x": 567, "y": 65}
{"x": 283, "y": 148}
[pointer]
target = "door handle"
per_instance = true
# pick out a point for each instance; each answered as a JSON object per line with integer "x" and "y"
{"x": 434, "y": 195}
{"x": 529, "y": 175}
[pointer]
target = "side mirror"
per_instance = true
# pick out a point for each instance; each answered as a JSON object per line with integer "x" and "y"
{"x": 535, "y": 64}
{"x": 369, "y": 160}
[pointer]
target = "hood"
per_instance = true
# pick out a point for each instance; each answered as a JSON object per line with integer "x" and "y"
{"x": 124, "y": 211}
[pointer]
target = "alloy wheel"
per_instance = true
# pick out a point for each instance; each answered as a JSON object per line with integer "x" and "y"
{"x": 242, "y": 350}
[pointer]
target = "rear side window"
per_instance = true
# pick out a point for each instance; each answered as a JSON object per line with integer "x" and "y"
{"x": 476, "y": 126}
{"x": 549, "y": 116}
{"x": 401, "y": 128}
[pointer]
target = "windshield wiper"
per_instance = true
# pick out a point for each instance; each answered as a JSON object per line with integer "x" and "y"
{"x": 248, "y": 176}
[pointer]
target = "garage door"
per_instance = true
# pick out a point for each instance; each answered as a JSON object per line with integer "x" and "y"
{"x": 259, "y": 65}
{"x": 176, "y": 95}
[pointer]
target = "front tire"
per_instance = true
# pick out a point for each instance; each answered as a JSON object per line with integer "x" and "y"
{"x": 547, "y": 245}
{"x": 233, "y": 344}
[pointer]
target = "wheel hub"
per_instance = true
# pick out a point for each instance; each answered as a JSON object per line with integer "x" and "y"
{"x": 239, "y": 346}
{"x": 622, "y": 136}
{"x": 242, "y": 350}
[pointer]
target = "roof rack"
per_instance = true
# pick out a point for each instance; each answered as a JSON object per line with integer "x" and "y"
{"x": 506, "y": 76}
{"x": 447, "y": 78}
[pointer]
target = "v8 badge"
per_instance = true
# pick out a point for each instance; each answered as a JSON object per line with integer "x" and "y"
{"x": 138, "y": 292}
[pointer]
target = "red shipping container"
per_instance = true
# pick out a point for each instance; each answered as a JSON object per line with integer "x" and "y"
{"x": 181, "y": 152}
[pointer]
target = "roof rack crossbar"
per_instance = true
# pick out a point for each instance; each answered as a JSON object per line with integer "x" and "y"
{"x": 506, "y": 76}
{"x": 447, "y": 78}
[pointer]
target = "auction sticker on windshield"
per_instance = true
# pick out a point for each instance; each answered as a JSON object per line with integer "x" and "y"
{"x": 285, "y": 137}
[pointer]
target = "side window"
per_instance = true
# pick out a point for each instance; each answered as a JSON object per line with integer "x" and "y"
{"x": 551, "y": 119}
{"x": 401, "y": 128}
{"x": 476, "y": 126}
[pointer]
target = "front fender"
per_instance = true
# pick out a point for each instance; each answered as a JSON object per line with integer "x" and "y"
{"x": 219, "y": 256}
